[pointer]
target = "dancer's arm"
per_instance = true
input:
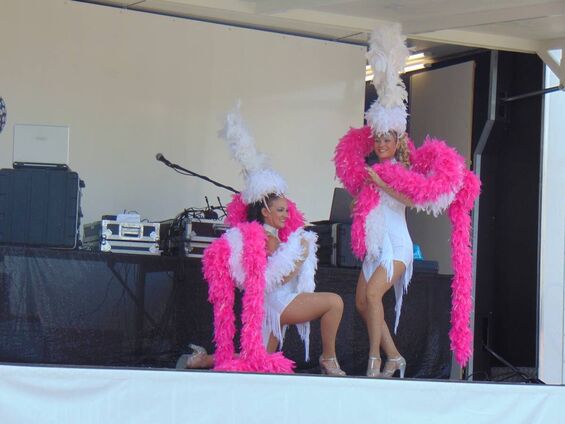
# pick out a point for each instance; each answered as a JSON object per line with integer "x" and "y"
{"x": 376, "y": 179}
{"x": 273, "y": 244}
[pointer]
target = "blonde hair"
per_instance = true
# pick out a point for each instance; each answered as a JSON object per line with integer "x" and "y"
{"x": 402, "y": 153}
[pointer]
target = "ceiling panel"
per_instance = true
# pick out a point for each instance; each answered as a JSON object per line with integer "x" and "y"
{"x": 520, "y": 25}
{"x": 405, "y": 10}
{"x": 545, "y": 28}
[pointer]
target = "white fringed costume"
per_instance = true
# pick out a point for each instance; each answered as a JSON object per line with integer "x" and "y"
{"x": 240, "y": 259}
{"x": 387, "y": 240}
{"x": 436, "y": 180}
{"x": 278, "y": 295}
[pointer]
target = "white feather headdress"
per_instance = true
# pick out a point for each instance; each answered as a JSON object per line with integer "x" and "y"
{"x": 260, "y": 179}
{"x": 387, "y": 55}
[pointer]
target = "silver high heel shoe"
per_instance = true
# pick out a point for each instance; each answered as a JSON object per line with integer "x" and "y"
{"x": 374, "y": 367}
{"x": 192, "y": 360}
{"x": 394, "y": 364}
{"x": 330, "y": 366}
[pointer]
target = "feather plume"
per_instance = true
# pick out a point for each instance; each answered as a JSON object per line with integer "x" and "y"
{"x": 260, "y": 179}
{"x": 387, "y": 55}
{"x": 260, "y": 183}
{"x": 241, "y": 142}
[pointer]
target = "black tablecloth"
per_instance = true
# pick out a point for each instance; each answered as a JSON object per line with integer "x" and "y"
{"x": 87, "y": 308}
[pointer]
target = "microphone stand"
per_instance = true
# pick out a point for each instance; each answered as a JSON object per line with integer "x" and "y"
{"x": 184, "y": 171}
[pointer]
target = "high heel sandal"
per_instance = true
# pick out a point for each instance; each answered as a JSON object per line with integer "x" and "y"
{"x": 192, "y": 360}
{"x": 330, "y": 366}
{"x": 394, "y": 364}
{"x": 374, "y": 366}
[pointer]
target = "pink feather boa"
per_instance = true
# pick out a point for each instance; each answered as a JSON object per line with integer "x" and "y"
{"x": 437, "y": 178}
{"x": 253, "y": 355}
{"x": 237, "y": 213}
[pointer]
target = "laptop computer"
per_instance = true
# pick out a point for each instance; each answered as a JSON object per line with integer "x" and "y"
{"x": 41, "y": 146}
{"x": 340, "y": 211}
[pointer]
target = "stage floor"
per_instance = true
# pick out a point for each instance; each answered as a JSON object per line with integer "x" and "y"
{"x": 109, "y": 395}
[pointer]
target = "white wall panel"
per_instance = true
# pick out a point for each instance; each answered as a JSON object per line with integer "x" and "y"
{"x": 131, "y": 84}
{"x": 552, "y": 240}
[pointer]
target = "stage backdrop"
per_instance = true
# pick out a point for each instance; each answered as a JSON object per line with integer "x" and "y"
{"x": 441, "y": 106}
{"x": 131, "y": 84}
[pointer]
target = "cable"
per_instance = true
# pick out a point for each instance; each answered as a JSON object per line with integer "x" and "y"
{"x": 515, "y": 370}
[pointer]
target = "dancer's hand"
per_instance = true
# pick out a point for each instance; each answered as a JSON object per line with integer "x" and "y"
{"x": 375, "y": 178}
{"x": 305, "y": 246}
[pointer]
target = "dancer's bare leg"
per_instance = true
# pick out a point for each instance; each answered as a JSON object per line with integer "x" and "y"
{"x": 272, "y": 344}
{"x": 309, "y": 306}
{"x": 387, "y": 342}
{"x": 361, "y": 296}
{"x": 304, "y": 308}
{"x": 375, "y": 289}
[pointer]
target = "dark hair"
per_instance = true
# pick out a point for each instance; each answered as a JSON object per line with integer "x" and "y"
{"x": 254, "y": 209}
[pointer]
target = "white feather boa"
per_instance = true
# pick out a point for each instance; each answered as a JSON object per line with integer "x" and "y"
{"x": 280, "y": 264}
{"x": 283, "y": 262}
{"x": 235, "y": 240}
{"x": 438, "y": 206}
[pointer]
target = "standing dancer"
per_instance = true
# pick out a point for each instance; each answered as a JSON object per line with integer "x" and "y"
{"x": 431, "y": 178}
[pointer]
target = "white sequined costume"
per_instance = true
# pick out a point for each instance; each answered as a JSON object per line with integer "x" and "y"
{"x": 280, "y": 264}
{"x": 278, "y": 295}
{"x": 387, "y": 240}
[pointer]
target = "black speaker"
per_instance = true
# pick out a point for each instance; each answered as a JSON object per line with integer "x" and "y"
{"x": 342, "y": 255}
{"x": 39, "y": 207}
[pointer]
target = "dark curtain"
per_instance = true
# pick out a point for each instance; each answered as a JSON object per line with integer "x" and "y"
{"x": 87, "y": 308}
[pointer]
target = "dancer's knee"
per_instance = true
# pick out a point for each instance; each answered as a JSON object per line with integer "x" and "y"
{"x": 333, "y": 302}
{"x": 374, "y": 295}
{"x": 337, "y": 302}
{"x": 361, "y": 305}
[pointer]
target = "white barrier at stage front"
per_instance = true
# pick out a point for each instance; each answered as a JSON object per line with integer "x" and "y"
{"x": 101, "y": 395}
